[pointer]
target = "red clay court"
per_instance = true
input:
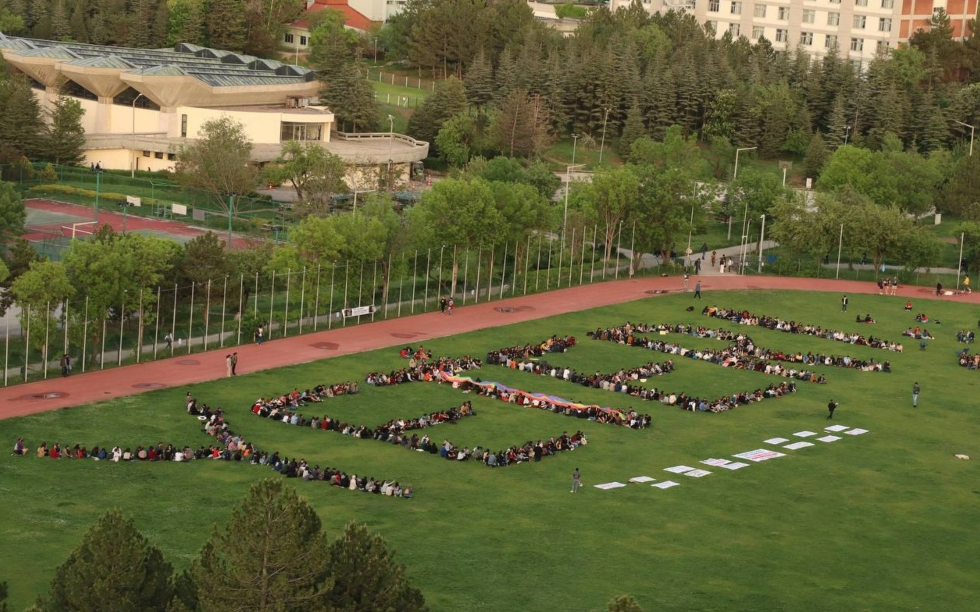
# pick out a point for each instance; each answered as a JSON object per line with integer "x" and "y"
{"x": 47, "y": 219}
{"x": 56, "y": 392}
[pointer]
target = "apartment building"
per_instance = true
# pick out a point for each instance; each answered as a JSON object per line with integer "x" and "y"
{"x": 858, "y": 28}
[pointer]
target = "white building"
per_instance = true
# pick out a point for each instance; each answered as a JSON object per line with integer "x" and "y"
{"x": 858, "y": 28}
{"x": 142, "y": 105}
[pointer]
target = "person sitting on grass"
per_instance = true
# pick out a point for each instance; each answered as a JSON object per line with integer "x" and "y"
{"x": 908, "y": 306}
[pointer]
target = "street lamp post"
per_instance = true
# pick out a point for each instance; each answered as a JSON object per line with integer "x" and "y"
{"x": 972, "y": 128}
{"x": 762, "y": 241}
{"x": 568, "y": 187}
{"x": 734, "y": 177}
{"x": 574, "y": 145}
{"x": 847, "y": 132}
{"x": 602, "y": 143}
{"x": 132, "y": 167}
{"x": 391, "y": 142}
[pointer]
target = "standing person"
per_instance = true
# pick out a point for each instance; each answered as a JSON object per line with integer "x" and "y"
{"x": 65, "y": 365}
{"x": 686, "y": 278}
{"x": 704, "y": 249}
{"x": 831, "y": 407}
{"x": 881, "y": 286}
{"x": 713, "y": 255}
{"x": 966, "y": 283}
{"x": 228, "y": 366}
{"x": 234, "y": 363}
{"x": 697, "y": 290}
{"x": 576, "y": 480}
{"x": 450, "y": 304}
{"x": 915, "y": 395}
{"x": 169, "y": 339}
{"x": 258, "y": 335}
{"x": 843, "y": 303}
{"x": 697, "y": 266}
{"x": 939, "y": 288}
{"x": 443, "y": 303}
{"x": 894, "y": 285}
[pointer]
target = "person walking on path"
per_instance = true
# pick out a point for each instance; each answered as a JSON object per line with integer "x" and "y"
{"x": 65, "y": 365}
{"x": 966, "y": 284}
{"x": 228, "y": 366}
{"x": 697, "y": 290}
{"x": 169, "y": 339}
{"x": 234, "y": 363}
{"x": 713, "y": 256}
{"x": 258, "y": 335}
{"x": 686, "y": 278}
{"x": 704, "y": 249}
{"x": 843, "y": 303}
{"x": 576, "y": 481}
{"x": 915, "y": 395}
{"x": 831, "y": 407}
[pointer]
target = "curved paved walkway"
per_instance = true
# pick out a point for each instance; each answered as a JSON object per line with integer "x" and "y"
{"x": 56, "y": 392}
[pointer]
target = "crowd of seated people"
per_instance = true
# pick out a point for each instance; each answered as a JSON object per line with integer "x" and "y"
{"x": 740, "y": 354}
{"x": 744, "y": 317}
{"x": 424, "y": 370}
{"x": 227, "y": 446}
{"x": 865, "y": 319}
{"x": 968, "y": 361}
{"x": 612, "y": 381}
{"x": 919, "y": 333}
{"x": 964, "y": 336}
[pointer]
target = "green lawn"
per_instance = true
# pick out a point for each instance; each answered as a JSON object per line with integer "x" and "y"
{"x": 884, "y": 521}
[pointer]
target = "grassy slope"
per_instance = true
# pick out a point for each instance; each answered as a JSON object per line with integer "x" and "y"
{"x": 882, "y": 521}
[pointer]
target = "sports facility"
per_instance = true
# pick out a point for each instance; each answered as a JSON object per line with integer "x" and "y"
{"x": 754, "y": 500}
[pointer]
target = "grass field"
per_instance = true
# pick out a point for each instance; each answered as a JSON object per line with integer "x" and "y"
{"x": 883, "y": 521}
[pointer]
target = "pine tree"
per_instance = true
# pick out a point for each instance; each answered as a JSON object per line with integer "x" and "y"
{"x": 20, "y": 120}
{"x": 366, "y": 577}
{"x": 816, "y": 156}
{"x": 60, "y": 26}
{"x": 632, "y": 129}
{"x": 272, "y": 556}
{"x": 447, "y": 100}
{"x": 837, "y": 124}
{"x": 225, "y": 25}
{"x": 161, "y": 18}
{"x": 64, "y": 139}
{"x": 77, "y": 23}
{"x": 114, "y": 568}
{"x": 479, "y": 81}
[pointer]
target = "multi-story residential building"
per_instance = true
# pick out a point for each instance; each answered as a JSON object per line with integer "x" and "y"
{"x": 858, "y": 28}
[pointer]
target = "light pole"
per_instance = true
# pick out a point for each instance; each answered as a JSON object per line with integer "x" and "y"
{"x": 602, "y": 143}
{"x": 734, "y": 177}
{"x": 132, "y": 167}
{"x": 574, "y": 145}
{"x": 762, "y": 241}
{"x": 391, "y": 133}
{"x": 971, "y": 133}
{"x": 847, "y": 132}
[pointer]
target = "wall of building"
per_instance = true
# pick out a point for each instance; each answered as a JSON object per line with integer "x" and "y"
{"x": 260, "y": 127}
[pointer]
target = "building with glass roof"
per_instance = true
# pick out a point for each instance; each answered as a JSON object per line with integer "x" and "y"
{"x": 142, "y": 105}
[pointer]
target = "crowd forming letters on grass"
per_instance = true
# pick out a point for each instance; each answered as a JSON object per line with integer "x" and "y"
{"x": 740, "y": 353}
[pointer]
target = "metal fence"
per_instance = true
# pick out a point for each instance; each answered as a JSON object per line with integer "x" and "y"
{"x": 166, "y": 321}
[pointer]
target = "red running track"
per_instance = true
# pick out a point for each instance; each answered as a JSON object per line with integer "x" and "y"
{"x": 57, "y": 392}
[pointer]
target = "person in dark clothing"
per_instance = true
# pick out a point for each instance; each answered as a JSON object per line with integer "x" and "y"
{"x": 843, "y": 303}
{"x": 697, "y": 291}
{"x": 831, "y": 407}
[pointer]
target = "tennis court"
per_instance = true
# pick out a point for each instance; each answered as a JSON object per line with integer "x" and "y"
{"x": 52, "y": 225}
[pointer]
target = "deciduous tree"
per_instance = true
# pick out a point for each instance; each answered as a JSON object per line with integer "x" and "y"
{"x": 220, "y": 160}
{"x": 315, "y": 173}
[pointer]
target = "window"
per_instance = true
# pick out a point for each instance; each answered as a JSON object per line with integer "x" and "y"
{"x": 883, "y": 46}
{"x": 806, "y": 38}
{"x": 300, "y": 131}
{"x": 760, "y": 10}
{"x": 884, "y": 24}
{"x": 288, "y": 38}
{"x": 758, "y": 32}
{"x": 857, "y": 44}
{"x": 171, "y": 156}
{"x": 833, "y": 19}
{"x": 734, "y": 29}
{"x": 783, "y": 13}
{"x": 887, "y": 4}
{"x": 860, "y": 2}
{"x": 713, "y": 6}
{"x": 302, "y": 40}
{"x": 183, "y": 126}
{"x": 736, "y": 8}
{"x": 809, "y": 16}
{"x": 782, "y": 35}
{"x": 835, "y": 1}
{"x": 830, "y": 42}
{"x": 158, "y": 155}
{"x": 859, "y": 21}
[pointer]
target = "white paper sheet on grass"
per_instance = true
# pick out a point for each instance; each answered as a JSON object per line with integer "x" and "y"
{"x": 805, "y": 434}
{"x": 735, "y": 465}
{"x": 665, "y": 484}
{"x": 836, "y": 428}
{"x": 829, "y": 438}
{"x": 678, "y": 469}
{"x": 759, "y": 454}
{"x": 697, "y": 473}
{"x": 776, "y": 440}
{"x": 798, "y": 445}
{"x": 641, "y": 479}
{"x": 610, "y": 485}
{"x": 716, "y": 462}
{"x": 856, "y": 432}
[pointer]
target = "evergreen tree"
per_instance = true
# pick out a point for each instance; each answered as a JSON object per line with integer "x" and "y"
{"x": 837, "y": 124}
{"x": 40, "y": 22}
{"x": 20, "y": 120}
{"x": 20, "y": 255}
{"x": 816, "y": 156}
{"x": 447, "y": 100}
{"x": 60, "y": 26}
{"x": 632, "y": 129}
{"x": 64, "y": 139}
{"x": 479, "y": 82}
{"x": 77, "y": 23}
{"x": 225, "y": 25}
{"x": 271, "y": 557}
{"x": 352, "y": 98}
{"x": 185, "y": 23}
{"x": 366, "y": 577}
{"x": 961, "y": 195}
{"x": 520, "y": 125}
{"x": 114, "y": 568}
